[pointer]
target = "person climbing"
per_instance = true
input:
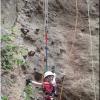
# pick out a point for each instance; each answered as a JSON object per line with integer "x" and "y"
{"x": 49, "y": 85}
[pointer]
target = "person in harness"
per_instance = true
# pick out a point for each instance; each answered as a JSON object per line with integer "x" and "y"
{"x": 49, "y": 85}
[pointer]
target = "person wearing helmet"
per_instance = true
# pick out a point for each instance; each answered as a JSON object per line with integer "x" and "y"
{"x": 49, "y": 82}
{"x": 48, "y": 85}
{"x": 51, "y": 77}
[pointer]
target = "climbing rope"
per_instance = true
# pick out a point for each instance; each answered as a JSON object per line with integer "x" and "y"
{"x": 91, "y": 50}
{"x": 46, "y": 33}
{"x": 75, "y": 29}
{"x": 76, "y": 23}
{"x": 62, "y": 88}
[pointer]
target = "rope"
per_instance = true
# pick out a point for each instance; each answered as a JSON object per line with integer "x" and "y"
{"x": 75, "y": 29}
{"x": 76, "y": 23}
{"x": 45, "y": 8}
{"x": 46, "y": 33}
{"x": 91, "y": 51}
{"x": 62, "y": 88}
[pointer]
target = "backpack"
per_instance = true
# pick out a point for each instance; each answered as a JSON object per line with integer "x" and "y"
{"x": 48, "y": 88}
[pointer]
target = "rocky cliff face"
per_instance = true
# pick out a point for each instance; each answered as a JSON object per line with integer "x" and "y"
{"x": 68, "y": 50}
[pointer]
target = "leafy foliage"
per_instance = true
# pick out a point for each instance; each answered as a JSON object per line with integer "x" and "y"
{"x": 11, "y": 56}
{"x": 4, "y": 98}
{"x": 7, "y": 60}
{"x": 29, "y": 92}
{"x": 7, "y": 38}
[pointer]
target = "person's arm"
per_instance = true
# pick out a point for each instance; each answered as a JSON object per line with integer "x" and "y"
{"x": 36, "y": 83}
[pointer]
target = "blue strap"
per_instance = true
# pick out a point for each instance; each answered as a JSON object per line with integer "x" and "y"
{"x": 46, "y": 50}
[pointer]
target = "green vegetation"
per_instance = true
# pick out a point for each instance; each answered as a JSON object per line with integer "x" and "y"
{"x": 4, "y": 98}
{"x": 11, "y": 54}
{"x": 7, "y": 53}
{"x": 7, "y": 38}
{"x": 29, "y": 92}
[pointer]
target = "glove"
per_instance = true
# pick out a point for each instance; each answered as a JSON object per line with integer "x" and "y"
{"x": 28, "y": 81}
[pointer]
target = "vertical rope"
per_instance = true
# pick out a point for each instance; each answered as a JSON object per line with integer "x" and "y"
{"x": 91, "y": 51}
{"x": 46, "y": 33}
{"x": 62, "y": 89}
{"x": 75, "y": 29}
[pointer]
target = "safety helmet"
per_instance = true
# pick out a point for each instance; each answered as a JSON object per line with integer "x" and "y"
{"x": 48, "y": 73}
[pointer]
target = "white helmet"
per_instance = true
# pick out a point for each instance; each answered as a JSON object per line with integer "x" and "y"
{"x": 48, "y": 73}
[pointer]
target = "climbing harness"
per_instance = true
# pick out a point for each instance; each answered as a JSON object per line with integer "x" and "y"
{"x": 48, "y": 88}
{"x": 91, "y": 50}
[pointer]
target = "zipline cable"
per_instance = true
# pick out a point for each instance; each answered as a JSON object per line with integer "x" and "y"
{"x": 91, "y": 50}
